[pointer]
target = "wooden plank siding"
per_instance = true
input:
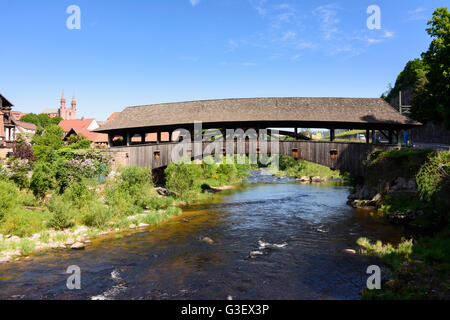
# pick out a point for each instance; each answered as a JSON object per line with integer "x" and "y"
{"x": 349, "y": 157}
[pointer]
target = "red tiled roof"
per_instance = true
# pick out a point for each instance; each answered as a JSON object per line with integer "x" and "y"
{"x": 115, "y": 114}
{"x": 17, "y": 115}
{"x": 77, "y": 124}
{"x": 26, "y": 125}
{"x": 92, "y": 136}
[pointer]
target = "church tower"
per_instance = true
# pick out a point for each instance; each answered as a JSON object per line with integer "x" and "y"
{"x": 73, "y": 109}
{"x": 62, "y": 106}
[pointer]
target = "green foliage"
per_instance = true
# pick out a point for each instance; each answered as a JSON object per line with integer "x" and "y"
{"x": 131, "y": 191}
{"x": 41, "y": 120}
{"x": 18, "y": 170}
{"x": 63, "y": 213}
{"x": 42, "y": 180}
{"x": 391, "y": 255}
{"x": 184, "y": 179}
{"x": 49, "y": 140}
{"x": 26, "y": 247}
{"x": 437, "y": 58}
{"x": 433, "y": 178}
{"x": 391, "y": 164}
{"x": 79, "y": 195}
{"x": 23, "y": 223}
{"x": 9, "y": 197}
{"x": 96, "y": 215}
{"x": 299, "y": 168}
{"x": 429, "y": 77}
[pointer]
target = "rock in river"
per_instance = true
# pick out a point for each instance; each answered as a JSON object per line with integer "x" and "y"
{"x": 78, "y": 246}
{"x": 208, "y": 240}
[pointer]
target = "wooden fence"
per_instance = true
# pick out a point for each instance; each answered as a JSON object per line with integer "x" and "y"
{"x": 342, "y": 156}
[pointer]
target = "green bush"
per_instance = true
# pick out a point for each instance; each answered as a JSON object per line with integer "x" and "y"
{"x": 43, "y": 179}
{"x": 26, "y": 247}
{"x": 287, "y": 162}
{"x": 434, "y": 176}
{"x": 23, "y": 223}
{"x": 119, "y": 200}
{"x": 63, "y": 214}
{"x": 18, "y": 172}
{"x": 9, "y": 197}
{"x": 97, "y": 214}
{"x": 183, "y": 179}
{"x": 79, "y": 195}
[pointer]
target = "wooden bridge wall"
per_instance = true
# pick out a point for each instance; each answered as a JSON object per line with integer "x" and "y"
{"x": 350, "y": 156}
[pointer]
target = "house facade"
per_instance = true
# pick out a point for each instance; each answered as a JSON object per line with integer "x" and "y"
{"x": 10, "y": 127}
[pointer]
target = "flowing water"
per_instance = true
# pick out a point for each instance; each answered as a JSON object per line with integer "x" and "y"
{"x": 273, "y": 239}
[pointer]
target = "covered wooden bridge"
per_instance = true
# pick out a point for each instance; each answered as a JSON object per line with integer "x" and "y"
{"x": 146, "y": 135}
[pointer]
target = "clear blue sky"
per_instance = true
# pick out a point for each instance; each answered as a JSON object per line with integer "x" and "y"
{"x": 138, "y": 52}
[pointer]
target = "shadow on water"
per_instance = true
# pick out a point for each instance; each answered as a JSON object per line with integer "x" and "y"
{"x": 273, "y": 239}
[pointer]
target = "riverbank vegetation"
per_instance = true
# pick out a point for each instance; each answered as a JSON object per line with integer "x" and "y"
{"x": 411, "y": 187}
{"x": 190, "y": 181}
{"x": 292, "y": 167}
{"x": 56, "y": 194}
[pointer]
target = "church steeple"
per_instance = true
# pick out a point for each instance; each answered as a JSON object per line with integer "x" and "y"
{"x": 62, "y": 104}
{"x": 74, "y": 103}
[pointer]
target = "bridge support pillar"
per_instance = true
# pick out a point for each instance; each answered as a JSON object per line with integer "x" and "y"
{"x": 128, "y": 139}
{"x": 390, "y": 137}
{"x": 110, "y": 140}
{"x": 332, "y": 135}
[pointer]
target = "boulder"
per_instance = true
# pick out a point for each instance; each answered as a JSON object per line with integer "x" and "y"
{"x": 208, "y": 240}
{"x": 351, "y": 251}
{"x": 164, "y": 192}
{"x": 304, "y": 179}
{"x": 143, "y": 225}
{"x": 316, "y": 179}
{"x": 78, "y": 246}
{"x": 132, "y": 226}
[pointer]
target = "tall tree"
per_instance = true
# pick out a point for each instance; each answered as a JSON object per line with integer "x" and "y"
{"x": 433, "y": 104}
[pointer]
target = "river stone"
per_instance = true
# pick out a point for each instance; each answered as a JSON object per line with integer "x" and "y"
{"x": 316, "y": 179}
{"x": 143, "y": 225}
{"x": 304, "y": 179}
{"x": 351, "y": 251}
{"x": 132, "y": 226}
{"x": 5, "y": 260}
{"x": 208, "y": 240}
{"x": 78, "y": 246}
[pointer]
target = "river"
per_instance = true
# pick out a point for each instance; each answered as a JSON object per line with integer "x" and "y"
{"x": 273, "y": 239}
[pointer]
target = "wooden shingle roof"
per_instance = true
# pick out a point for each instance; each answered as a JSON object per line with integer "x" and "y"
{"x": 335, "y": 111}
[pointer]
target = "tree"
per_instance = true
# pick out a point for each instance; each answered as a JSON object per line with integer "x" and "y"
{"x": 413, "y": 77}
{"x": 50, "y": 140}
{"x": 436, "y": 102}
{"x": 429, "y": 77}
{"x": 41, "y": 120}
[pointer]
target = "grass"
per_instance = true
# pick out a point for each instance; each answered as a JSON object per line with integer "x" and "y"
{"x": 299, "y": 168}
{"x": 391, "y": 255}
{"x": 26, "y": 247}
